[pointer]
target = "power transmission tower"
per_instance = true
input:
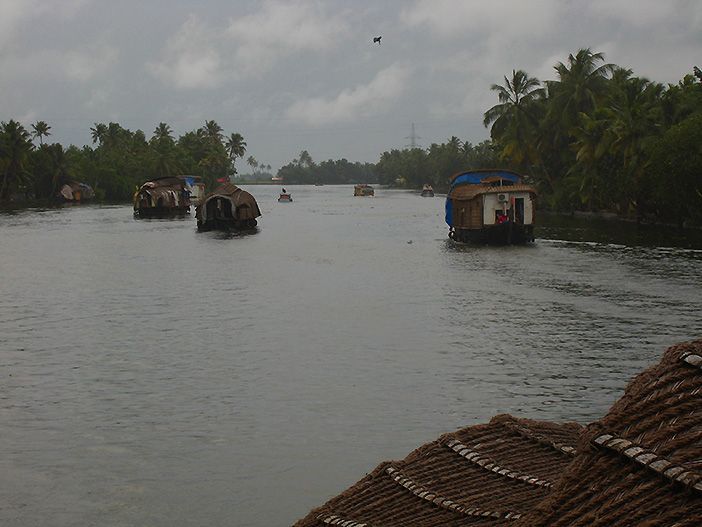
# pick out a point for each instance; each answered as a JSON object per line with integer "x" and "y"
{"x": 413, "y": 138}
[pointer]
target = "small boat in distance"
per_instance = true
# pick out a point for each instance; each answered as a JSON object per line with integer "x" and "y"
{"x": 427, "y": 191}
{"x": 162, "y": 198}
{"x": 75, "y": 192}
{"x": 363, "y": 190}
{"x": 490, "y": 206}
{"x": 227, "y": 208}
{"x": 284, "y": 197}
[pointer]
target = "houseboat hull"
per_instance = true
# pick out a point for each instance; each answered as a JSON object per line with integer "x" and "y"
{"x": 363, "y": 191}
{"x": 285, "y": 198}
{"x": 161, "y": 212}
{"x": 226, "y": 225}
{"x": 504, "y": 234}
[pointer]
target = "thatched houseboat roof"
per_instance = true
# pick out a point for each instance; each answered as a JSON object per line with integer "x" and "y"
{"x": 241, "y": 200}
{"x": 641, "y": 465}
{"x": 468, "y": 192}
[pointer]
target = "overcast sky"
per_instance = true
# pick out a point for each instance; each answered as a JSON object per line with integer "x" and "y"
{"x": 293, "y": 75}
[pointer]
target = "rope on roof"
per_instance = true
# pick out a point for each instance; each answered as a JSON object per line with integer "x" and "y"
{"x": 651, "y": 460}
{"x": 529, "y": 434}
{"x": 336, "y": 520}
{"x": 445, "y": 503}
{"x": 692, "y": 358}
{"x": 488, "y": 464}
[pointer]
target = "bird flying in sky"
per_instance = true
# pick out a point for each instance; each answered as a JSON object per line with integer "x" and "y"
{"x": 377, "y": 39}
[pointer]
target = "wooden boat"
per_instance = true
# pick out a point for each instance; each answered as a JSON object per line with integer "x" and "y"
{"x": 75, "y": 192}
{"x": 284, "y": 197}
{"x": 490, "y": 206}
{"x": 427, "y": 191}
{"x": 227, "y": 208}
{"x": 162, "y": 198}
{"x": 363, "y": 190}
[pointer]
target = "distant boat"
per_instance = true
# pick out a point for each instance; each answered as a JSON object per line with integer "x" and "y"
{"x": 427, "y": 191}
{"x": 284, "y": 197}
{"x": 490, "y": 206}
{"x": 75, "y": 192}
{"x": 363, "y": 190}
{"x": 196, "y": 188}
{"x": 227, "y": 208}
{"x": 162, "y": 198}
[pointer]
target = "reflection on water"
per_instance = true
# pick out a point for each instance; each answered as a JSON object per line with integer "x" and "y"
{"x": 154, "y": 375}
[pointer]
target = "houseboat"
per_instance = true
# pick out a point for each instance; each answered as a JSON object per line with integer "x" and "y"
{"x": 427, "y": 191}
{"x": 196, "y": 188}
{"x": 227, "y": 208}
{"x": 162, "y": 197}
{"x": 490, "y": 206}
{"x": 75, "y": 192}
{"x": 363, "y": 190}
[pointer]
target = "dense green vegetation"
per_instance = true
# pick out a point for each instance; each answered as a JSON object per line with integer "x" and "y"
{"x": 597, "y": 138}
{"x": 600, "y": 138}
{"x": 119, "y": 160}
{"x": 305, "y": 171}
{"x": 414, "y": 167}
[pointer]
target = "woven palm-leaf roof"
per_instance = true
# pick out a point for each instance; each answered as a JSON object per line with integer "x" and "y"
{"x": 481, "y": 475}
{"x": 640, "y": 465}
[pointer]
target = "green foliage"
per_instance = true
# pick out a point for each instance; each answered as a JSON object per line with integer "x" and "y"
{"x": 116, "y": 164}
{"x": 412, "y": 168}
{"x": 15, "y": 147}
{"x": 304, "y": 170}
{"x": 674, "y": 178}
{"x": 587, "y": 139}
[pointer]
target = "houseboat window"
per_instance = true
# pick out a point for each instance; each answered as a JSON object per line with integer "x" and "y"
{"x": 519, "y": 210}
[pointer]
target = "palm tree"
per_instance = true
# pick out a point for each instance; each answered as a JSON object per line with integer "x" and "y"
{"x": 163, "y": 132}
{"x": 514, "y": 120}
{"x": 634, "y": 116}
{"x": 213, "y": 131}
{"x": 454, "y": 144}
{"x": 236, "y": 147}
{"x": 15, "y": 145}
{"x": 251, "y": 161}
{"x": 41, "y": 129}
{"x": 99, "y": 133}
{"x": 581, "y": 84}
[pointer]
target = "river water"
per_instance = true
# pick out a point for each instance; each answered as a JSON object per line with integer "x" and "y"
{"x": 153, "y": 375}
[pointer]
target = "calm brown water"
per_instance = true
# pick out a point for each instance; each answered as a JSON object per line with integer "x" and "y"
{"x": 153, "y": 375}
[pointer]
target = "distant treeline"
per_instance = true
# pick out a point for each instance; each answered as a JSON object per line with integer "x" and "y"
{"x": 304, "y": 170}
{"x": 597, "y": 138}
{"x": 118, "y": 162}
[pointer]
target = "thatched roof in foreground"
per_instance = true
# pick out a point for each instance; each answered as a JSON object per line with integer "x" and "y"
{"x": 641, "y": 465}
